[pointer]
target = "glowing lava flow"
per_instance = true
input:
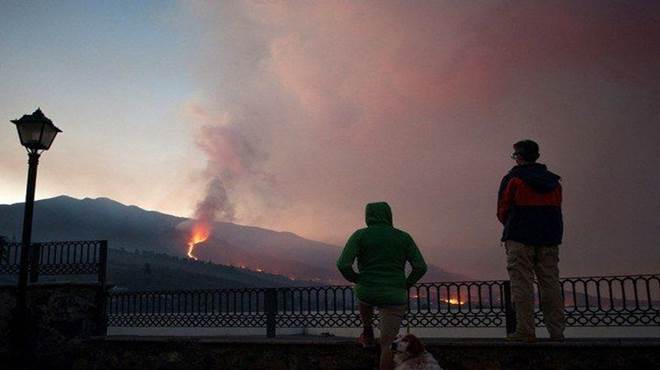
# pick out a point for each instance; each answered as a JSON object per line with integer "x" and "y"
{"x": 200, "y": 232}
{"x": 453, "y": 301}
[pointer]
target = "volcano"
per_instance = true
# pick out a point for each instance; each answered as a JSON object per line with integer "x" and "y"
{"x": 133, "y": 228}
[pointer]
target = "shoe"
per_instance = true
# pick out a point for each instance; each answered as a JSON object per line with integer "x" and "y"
{"x": 366, "y": 341}
{"x": 515, "y": 337}
{"x": 557, "y": 338}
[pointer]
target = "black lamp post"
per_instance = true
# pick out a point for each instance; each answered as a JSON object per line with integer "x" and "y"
{"x": 36, "y": 133}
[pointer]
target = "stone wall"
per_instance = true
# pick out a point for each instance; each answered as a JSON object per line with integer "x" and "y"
{"x": 66, "y": 319}
{"x": 59, "y": 315}
{"x": 7, "y": 306}
{"x": 342, "y": 354}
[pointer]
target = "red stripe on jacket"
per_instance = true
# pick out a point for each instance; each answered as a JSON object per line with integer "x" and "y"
{"x": 518, "y": 193}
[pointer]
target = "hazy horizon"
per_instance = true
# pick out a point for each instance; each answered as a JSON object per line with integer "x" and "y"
{"x": 295, "y": 115}
{"x": 493, "y": 273}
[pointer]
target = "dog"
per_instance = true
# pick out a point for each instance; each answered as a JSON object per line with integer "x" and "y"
{"x": 409, "y": 354}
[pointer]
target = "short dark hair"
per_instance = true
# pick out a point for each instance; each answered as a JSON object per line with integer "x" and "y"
{"x": 528, "y": 150}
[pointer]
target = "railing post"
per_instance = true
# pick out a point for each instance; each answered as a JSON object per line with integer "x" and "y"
{"x": 103, "y": 261}
{"x": 4, "y": 252}
{"x": 270, "y": 308}
{"x": 35, "y": 260}
{"x": 102, "y": 295}
{"x": 509, "y": 310}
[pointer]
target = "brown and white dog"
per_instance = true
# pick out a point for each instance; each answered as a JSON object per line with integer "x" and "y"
{"x": 409, "y": 354}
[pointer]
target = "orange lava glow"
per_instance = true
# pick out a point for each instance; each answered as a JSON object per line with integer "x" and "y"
{"x": 453, "y": 301}
{"x": 200, "y": 232}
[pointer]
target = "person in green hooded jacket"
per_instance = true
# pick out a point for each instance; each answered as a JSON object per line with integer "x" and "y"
{"x": 381, "y": 252}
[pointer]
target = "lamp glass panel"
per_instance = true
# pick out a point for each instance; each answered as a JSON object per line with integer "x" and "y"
{"x": 30, "y": 134}
{"x": 48, "y": 136}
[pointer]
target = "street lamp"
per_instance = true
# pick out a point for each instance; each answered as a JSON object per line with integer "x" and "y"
{"x": 36, "y": 133}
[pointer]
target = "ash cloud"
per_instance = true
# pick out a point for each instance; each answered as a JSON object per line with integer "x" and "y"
{"x": 311, "y": 109}
{"x": 216, "y": 204}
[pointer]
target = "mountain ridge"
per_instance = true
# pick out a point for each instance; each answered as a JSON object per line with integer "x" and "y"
{"x": 134, "y": 228}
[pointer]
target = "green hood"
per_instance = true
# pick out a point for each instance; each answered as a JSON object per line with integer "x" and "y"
{"x": 378, "y": 213}
{"x": 382, "y": 252}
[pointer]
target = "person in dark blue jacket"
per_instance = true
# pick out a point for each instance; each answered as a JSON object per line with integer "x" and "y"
{"x": 529, "y": 207}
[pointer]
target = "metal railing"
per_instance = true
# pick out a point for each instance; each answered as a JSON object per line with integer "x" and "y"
{"x": 58, "y": 258}
{"x": 632, "y": 300}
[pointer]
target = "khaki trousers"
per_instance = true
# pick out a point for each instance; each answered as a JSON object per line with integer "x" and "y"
{"x": 390, "y": 322}
{"x": 523, "y": 261}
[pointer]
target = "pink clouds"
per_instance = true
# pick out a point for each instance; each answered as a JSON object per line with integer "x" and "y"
{"x": 326, "y": 105}
{"x": 226, "y": 146}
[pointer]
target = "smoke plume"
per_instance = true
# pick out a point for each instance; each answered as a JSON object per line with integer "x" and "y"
{"x": 312, "y": 109}
{"x": 215, "y": 205}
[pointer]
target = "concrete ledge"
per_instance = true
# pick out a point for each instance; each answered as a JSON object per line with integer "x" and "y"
{"x": 334, "y": 340}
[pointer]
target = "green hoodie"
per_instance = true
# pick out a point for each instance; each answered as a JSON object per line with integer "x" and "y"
{"x": 381, "y": 252}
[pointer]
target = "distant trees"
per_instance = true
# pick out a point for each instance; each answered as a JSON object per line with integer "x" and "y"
{"x": 148, "y": 270}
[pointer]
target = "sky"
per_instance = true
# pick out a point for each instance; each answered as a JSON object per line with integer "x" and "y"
{"x": 293, "y": 115}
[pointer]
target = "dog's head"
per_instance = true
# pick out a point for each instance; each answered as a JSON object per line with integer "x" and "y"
{"x": 407, "y": 346}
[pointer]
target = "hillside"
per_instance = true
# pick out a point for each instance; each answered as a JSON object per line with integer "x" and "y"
{"x": 132, "y": 228}
{"x": 145, "y": 270}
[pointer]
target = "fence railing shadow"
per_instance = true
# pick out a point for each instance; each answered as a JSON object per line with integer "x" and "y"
{"x": 593, "y": 301}
{"x": 630, "y": 300}
{"x": 59, "y": 258}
